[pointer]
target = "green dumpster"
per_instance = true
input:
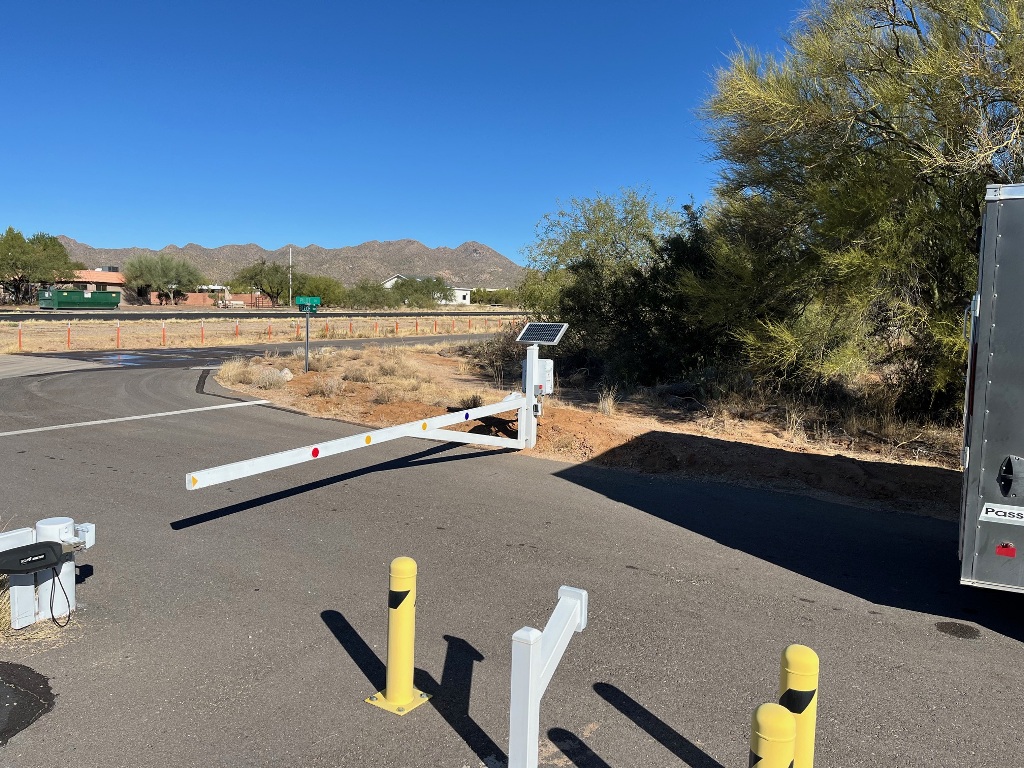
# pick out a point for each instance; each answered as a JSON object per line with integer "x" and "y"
{"x": 57, "y": 298}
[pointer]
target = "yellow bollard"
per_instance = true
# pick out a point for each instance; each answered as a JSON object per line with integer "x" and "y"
{"x": 399, "y": 695}
{"x": 798, "y": 692}
{"x": 772, "y": 734}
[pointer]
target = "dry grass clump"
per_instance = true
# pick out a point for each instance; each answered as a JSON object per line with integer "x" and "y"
{"x": 474, "y": 400}
{"x": 607, "y": 399}
{"x": 326, "y": 386}
{"x": 237, "y": 370}
{"x": 322, "y": 361}
{"x": 268, "y": 378}
{"x": 384, "y": 394}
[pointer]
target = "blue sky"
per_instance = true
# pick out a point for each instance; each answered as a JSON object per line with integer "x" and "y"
{"x": 151, "y": 123}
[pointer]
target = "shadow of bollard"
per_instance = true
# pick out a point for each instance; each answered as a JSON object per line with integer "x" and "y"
{"x": 656, "y": 728}
{"x": 573, "y": 748}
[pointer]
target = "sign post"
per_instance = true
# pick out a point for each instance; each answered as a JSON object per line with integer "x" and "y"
{"x": 308, "y": 305}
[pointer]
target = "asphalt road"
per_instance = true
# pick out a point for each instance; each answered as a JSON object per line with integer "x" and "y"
{"x": 243, "y": 625}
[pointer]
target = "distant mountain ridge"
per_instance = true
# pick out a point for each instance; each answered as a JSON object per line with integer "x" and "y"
{"x": 471, "y": 265}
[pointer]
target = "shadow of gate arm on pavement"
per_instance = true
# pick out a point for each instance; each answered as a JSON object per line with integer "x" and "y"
{"x": 418, "y": 459}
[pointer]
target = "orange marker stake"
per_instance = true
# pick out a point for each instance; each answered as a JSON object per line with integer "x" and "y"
{"x": 396, "y": 327}
{"x": 417, "y": 326}
{"x": 435, "y": 325}
{"x": 202, "y": 331}
{"x": 236, "y": 329}
{"x": 270, "y": 330}
{"x": 117, "y": 336}
{"x": 350, "y": 331}
{"x": 163, "y": 333}
{"x": 375, "y": 326}
{"x": 19, "y": 337}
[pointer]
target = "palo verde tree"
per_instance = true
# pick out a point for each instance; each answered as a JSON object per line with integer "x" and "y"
{"x": 853, "y": 170}
{"x": 167, "y": 276}
{"x": 27, "y": 264}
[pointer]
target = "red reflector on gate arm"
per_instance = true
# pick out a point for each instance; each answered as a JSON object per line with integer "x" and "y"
{"x": 1006, "y": 550}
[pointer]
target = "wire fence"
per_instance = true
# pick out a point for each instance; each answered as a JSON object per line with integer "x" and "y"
{"x": 56, "y": 335}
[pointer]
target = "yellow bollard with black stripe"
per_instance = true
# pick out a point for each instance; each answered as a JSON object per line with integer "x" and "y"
{"x": 798, "y": 692}
{"x": 772, "y": 734}
{"x": 399, "y": 696}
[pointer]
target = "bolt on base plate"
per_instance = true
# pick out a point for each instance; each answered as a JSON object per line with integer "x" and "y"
{"x": 418, "y": 698}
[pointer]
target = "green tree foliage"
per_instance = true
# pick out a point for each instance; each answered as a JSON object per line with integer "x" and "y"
{"x": 169, "y": 277}
{"x": 421, "y": 293}
{"x": 853, "y": 169}
{"x": 270, "y": 279}
{"x": 368, "y": 294}
{"x": 505, "y": 297}
{"x": 331, "y": 292}
{"x": 617, "y": 269}
{"x": 27, "y": 264}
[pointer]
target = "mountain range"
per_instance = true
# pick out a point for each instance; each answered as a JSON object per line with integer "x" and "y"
{"x": 471, "y": 265}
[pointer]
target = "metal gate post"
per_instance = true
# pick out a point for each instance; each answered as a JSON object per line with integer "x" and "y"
{"x": 527, "y": 418}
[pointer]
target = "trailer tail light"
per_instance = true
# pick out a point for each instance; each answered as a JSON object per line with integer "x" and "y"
{"x": 1006, "y": 549}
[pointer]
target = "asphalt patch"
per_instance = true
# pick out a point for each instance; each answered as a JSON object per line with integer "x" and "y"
{"x": 958, "y": 629}
{"x": 25, "y": 696}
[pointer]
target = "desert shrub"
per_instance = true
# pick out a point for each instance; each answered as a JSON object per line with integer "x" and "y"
{"x": 501, "y": 356}
{"x": 471, "y": 401}
{"x": 321, "y": 360}
{"x": 268, "y": 378}
{"x": 326, "y": 386}
{"x": 384, "y": 394}
{"x": 237, "y": 370}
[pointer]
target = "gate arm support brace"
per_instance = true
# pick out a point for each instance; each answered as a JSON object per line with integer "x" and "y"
{"x": 535, "y": 655}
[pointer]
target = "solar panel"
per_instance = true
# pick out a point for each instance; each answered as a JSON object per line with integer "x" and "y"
{"x": 542, "y": 333}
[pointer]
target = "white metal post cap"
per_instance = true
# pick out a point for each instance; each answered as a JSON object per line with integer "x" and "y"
{"x": 580, "y": 595}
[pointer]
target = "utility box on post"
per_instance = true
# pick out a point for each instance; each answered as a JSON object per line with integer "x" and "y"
{"x": 992, "y": 505}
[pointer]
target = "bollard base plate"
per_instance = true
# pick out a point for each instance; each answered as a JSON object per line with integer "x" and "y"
{"x": 418, "y": 698}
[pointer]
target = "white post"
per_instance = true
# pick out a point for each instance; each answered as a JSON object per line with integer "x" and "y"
{"x": 22, "y": 586}
{"x": 535, "y": 655}
{"x": 527, "y": 419}
{"x": 60, "y": 529}
{"x": 524, "y": 711}
{"x": 290, "y": 278}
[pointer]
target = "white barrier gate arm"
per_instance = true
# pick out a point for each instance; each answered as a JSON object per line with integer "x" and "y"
{"x": 535, "y": 656}
{"x": 426, "y": 428}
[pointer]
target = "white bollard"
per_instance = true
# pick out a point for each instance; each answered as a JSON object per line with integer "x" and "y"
{"x": 535, "y": 655}
{"x": 61, "y": 529}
